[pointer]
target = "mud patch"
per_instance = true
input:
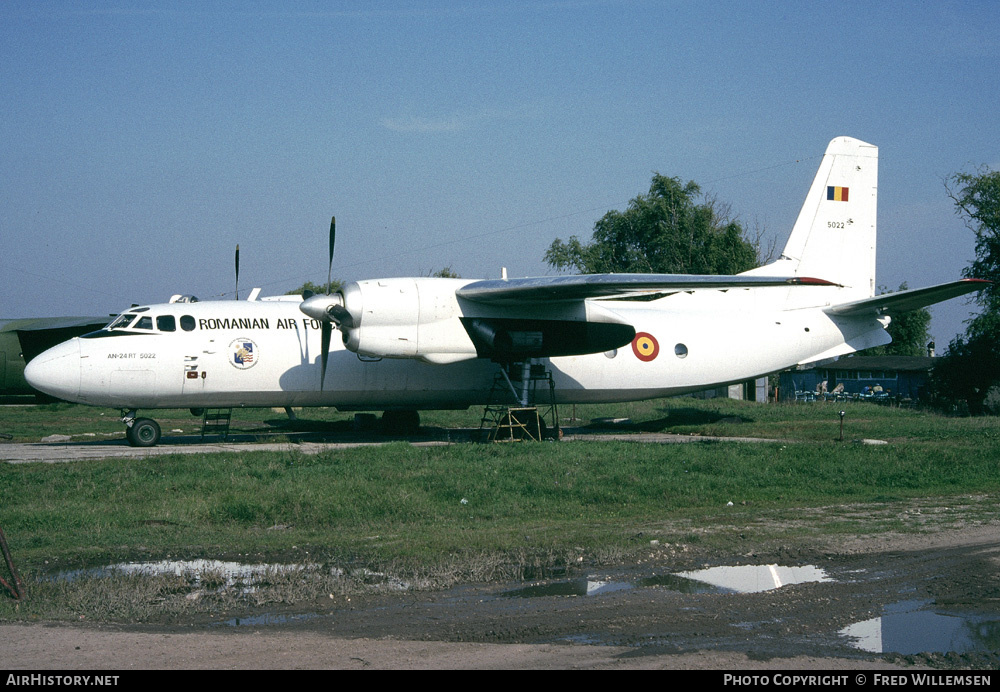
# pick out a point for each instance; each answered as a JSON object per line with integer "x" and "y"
{"x": 640, "y": 615}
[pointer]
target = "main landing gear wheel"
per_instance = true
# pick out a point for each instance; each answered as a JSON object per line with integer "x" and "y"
{"x": 144, "y": 432}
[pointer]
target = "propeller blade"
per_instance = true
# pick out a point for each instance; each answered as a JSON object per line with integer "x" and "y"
{"x": 326, "y": 331}
{"x": 333, "y": 236}
{"x": 320, "y": 308}
{"x": 237, "y": 271}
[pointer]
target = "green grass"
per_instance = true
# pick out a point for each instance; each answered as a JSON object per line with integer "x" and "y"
{"x": 817, "y": 421}
{"x": 483, "y": 511}
{"x": 230, "y": 501}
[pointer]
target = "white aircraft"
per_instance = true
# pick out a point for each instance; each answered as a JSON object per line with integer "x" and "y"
{"x": 411, "y": 344}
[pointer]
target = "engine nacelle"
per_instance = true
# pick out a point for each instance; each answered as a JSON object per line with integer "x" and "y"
{"x": 422, "y": 318}
{"x": 406, "y": 318}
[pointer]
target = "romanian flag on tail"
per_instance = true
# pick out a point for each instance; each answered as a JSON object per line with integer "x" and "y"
{"x": 836, "y": 194}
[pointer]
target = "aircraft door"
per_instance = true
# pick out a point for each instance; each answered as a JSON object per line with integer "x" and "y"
{"x": 193, "y": 364}
{"x": 198, "y": 359}
{"x": 194, "y": 375}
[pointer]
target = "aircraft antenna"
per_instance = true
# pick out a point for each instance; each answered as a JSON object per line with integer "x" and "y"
{"x": 237, "y": 271}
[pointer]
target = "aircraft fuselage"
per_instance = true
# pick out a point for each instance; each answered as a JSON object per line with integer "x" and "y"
{"x": 267, "y": 353}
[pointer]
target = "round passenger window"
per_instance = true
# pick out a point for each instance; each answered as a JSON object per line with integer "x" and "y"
{"x": 187, "y": 323}
{"x": 681, "y": 351}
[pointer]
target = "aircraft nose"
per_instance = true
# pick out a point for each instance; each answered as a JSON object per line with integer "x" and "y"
{"x": 56, "y": 372}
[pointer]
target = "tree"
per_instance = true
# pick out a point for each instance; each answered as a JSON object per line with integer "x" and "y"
{"x": 664, "y": 231}
{"x": 331, "y": 287}
{"x": 977, "y": 201}
{"x": 970, "y": 370}
{"x": 445, "y": 273}
{"x": 909, "y": 332}
{"x": 337, "y": 284}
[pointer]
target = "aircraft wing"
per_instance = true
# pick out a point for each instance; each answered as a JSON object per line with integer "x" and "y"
{"x": 905, "y": 301}
{"x": 579, "y": 287}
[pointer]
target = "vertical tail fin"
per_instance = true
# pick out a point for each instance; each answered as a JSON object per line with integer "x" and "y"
{"x": 834, "y": 235}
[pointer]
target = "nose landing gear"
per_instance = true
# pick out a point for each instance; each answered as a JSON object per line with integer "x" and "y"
{"x": 140, "y": 432}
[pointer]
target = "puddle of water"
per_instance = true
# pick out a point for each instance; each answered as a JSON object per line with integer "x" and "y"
{"x": 575, "y": 587}
{"x": 675, "y": 582}
{"x": 218, "y": 572}
{"x": 267, "y": 619}
{"x": 908, "y": 629}
{"x": 741, "y": 579}
{"x": 230, "y": 572}
{"x": 756, "y": 578}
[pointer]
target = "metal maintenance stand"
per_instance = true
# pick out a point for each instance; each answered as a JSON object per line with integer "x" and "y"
{"x": 514, "y": 410}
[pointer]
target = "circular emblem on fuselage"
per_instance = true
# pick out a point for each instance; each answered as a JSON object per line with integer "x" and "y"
{"x": 645, "y": 346}
{"x": 242, "y": 354}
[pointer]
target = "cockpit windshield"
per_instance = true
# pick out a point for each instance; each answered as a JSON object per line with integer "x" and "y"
{"x": 134, "y": 322}
{"x": 121, "y": 322}
{"x": 148, "y": 323}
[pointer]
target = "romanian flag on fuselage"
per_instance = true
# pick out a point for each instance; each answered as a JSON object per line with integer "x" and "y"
{"x": 836, "y": 194}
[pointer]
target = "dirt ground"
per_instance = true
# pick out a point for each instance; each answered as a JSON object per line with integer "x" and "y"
{"x": 633, "y": 617}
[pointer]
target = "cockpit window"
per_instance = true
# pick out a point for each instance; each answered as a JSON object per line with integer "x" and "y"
{"x": 187, "y": 323}
{"x": 121, "y": 322}
{"x": 144, "y": 323}
{"x": 166, "y": 323}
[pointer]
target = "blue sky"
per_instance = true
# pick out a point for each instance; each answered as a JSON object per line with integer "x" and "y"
{"x": 141, "y": 142}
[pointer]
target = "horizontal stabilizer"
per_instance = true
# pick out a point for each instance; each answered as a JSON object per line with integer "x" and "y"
{"x": 578, "y": 287}
{"x": 42, "y": 324}
{"x": 39, "y": 334}
{"x": 905, "y": 301}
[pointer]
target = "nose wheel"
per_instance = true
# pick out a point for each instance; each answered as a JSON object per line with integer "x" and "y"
{"x": 140, "y": 432}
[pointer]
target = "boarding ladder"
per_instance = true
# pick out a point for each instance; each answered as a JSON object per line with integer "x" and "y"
{"x": 215, "y": 421}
